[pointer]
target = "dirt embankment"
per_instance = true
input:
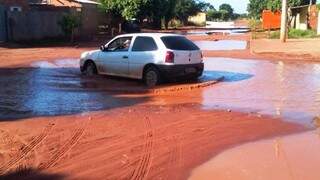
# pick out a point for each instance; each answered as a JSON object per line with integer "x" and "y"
{"x": 152, "y": 142}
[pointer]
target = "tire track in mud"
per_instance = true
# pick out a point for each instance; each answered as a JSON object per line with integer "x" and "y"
{"x": 77, "y": 134}
{"x": 175, "y": 155}
{"x": 26, "y": 149}
{"x": 144, "y": 165}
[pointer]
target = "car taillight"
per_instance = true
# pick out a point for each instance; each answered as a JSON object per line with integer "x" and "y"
{"x": 169, "y": 57}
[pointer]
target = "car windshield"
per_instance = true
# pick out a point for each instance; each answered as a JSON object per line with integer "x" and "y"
{"x": 179, "y": 43}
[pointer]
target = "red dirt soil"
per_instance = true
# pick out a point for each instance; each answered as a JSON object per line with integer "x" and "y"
{"x": 145, "y": 141}
{"x": 141, "y": 142}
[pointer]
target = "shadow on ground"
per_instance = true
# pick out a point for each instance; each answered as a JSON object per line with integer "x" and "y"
{"x": 30, "y": 174}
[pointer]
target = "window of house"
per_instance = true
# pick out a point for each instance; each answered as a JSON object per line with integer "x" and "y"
{"x": 15, "y": 9}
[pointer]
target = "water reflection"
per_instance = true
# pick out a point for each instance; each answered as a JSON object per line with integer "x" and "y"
{"x": 291, "y": 157}
{"x": 222, "y": 45}
{"x": 290, "y": 90}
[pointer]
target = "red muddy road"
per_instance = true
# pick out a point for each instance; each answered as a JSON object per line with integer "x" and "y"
{"x": 57, "y": 123}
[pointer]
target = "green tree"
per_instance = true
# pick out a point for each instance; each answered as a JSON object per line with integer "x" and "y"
{"x": 68, "y": 24}
{"x": 156, "y": 10}
{"x": 128, "y": 9}
{"x": 186, "y": 8}
{"x": 226, "y": 11}
{"x": 213, "y": 15}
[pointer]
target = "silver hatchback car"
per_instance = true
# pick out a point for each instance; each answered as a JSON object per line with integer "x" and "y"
{"x": 151, "y": 57}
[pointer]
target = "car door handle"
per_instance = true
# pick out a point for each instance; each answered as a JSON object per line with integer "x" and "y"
{"x": 125, "y": 57}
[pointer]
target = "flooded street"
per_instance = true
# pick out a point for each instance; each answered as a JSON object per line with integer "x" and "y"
{"x": 221, "y": 45}
{"x": 57, "y": 120}
{"x": 281, "y": 89}
{"x": 287, "y": 90}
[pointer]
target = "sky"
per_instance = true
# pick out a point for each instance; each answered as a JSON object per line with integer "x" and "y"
{"x": 239, "y": 6}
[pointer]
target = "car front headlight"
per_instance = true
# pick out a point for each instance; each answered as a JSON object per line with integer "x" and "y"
{"x": 83, "y": 55}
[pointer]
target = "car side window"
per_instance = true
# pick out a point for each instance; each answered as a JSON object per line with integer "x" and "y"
{"x": 142, "y": 43}
{"x": 120, "y": 44}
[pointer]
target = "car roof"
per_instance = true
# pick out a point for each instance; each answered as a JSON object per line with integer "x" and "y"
{"x": 150, "y": 34}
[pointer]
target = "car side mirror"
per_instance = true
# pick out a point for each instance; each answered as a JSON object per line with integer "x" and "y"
{"x": 102, "y": 48}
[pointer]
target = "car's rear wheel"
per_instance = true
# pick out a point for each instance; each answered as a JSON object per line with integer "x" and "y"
{"x": 90, "y": 69}
{"x": 151, "y": 76}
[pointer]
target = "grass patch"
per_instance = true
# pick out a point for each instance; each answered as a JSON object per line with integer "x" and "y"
{"x": 295, "y": 34}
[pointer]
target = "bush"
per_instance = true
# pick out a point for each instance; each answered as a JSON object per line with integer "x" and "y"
{"x": 255, "y": 24}
{"x": 275, "y": 35}
{"x": 68, "y": 24}
{"x": 295, "y": 34}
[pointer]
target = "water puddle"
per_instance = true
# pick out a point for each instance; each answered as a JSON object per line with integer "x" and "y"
{"x": 53, "y": 88}
{"x": 221, "y": 45}
{"x": 285, "y": 158}
{"x": 60, "y": 63}
{"x": 287, "y": 90}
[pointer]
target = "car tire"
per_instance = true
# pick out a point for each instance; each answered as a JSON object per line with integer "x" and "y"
{"x": 151, "y": 77}
{"x": 90, "y": 69}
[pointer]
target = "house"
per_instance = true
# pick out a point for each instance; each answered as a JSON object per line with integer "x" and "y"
{"x": 25, "y": 20}
{"x": 304, "y": 17}
{"x": 199, "y": 19}
{"x": 15, "y": 5}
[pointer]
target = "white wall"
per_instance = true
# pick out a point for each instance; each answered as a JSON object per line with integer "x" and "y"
{"x": 318, "y": 24}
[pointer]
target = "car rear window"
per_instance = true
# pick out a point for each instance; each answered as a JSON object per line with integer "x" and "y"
{"x": 179, "y": 43}
{"x": 144, "y": 44}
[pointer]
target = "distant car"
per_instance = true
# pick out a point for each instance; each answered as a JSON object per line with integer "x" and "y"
{"x": 151, "y": 57}
{"x": 131, "y": 26}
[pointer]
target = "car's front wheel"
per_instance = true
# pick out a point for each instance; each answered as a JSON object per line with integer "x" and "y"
{"x": 90, "y": 69}
{"x": 151, "y": 77}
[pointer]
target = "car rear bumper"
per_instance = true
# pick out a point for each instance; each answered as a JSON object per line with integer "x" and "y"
{"x": 184, "y": 70}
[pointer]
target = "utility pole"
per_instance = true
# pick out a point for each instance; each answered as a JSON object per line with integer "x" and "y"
{"x": 284, "y": 19}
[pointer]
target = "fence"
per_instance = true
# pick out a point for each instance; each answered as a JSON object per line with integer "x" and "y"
{"x": 3, "y": 32}
{"x": 271, "y": 20}
{"x": 33, "y": 25}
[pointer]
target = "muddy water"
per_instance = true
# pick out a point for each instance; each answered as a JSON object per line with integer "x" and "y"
{"x": 55, "y": 88}
{"x": 286, "y": 90}
{"x": 221, "y": 45}
{"x": 287, "y": 158}
{"x": 289, "y": 90}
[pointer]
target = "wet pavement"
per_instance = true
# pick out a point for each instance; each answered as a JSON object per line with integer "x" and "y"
{"x": 221, "y": 45}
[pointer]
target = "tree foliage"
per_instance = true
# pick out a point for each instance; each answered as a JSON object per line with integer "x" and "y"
{"x": 224, "y": 13}
{"x": 128, "y": 9}
{"x": 156, "y": 10}
{"x": 68, "y": 24}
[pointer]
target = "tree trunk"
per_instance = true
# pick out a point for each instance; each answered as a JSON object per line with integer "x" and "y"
{"x": 166, "y": 23}
{"x": 157, "y": 23}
